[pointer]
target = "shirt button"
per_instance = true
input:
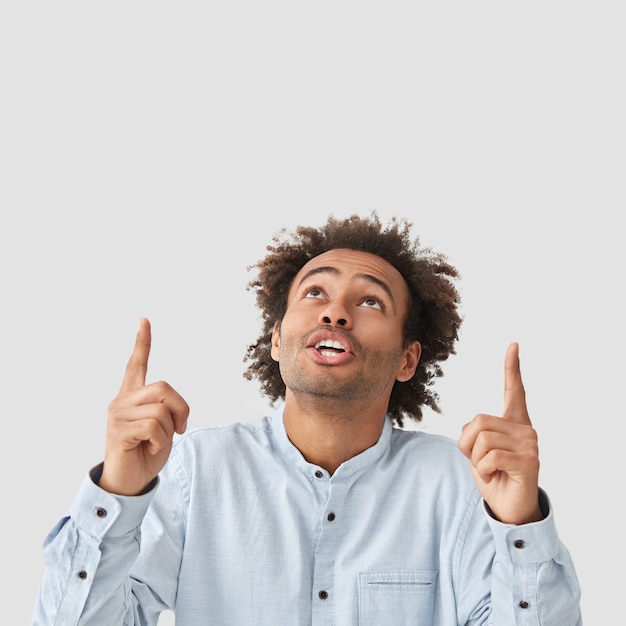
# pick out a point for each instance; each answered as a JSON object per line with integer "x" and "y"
{"x": 319, "y": 474}
{"x": 323, "y": 595}
{"x": 518, "y": 543}
{"x": 330, "y": 517}
{"x": 100, "y": 512}
{"x": 523, "y": 604}
{"x": 82, "y": 574}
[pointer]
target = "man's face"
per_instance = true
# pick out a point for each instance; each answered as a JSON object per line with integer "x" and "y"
{"x": 341, "y": 336}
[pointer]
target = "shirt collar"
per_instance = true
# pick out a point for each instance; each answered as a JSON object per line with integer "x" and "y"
{"x": 361, "y": 461}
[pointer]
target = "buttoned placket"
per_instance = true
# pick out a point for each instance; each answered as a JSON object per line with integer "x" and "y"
{"x": 332, "y": 492}
{"x": 330, "y": 495}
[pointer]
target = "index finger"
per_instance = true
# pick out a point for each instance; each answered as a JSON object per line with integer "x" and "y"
{"x": 137, "y": 366}
{"x": 514, "y": 393}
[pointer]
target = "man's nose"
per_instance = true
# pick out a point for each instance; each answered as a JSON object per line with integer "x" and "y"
{"x": 335, "y": 314}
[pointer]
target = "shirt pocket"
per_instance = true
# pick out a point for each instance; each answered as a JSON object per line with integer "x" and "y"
{"x": 398, "y": 598}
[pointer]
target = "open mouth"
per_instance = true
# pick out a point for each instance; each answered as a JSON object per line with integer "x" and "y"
{"x": 329, "y": 348}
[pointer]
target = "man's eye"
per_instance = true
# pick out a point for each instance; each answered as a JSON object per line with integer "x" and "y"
{"x": 313, "y": 293}
{"x": 372, "y": 303}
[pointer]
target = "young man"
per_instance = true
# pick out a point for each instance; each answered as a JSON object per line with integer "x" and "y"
{"x": 323, "y": 513}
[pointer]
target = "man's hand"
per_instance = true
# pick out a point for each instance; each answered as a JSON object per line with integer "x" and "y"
{"x": 504, "y": 454}
{"x": 141, "y": 424}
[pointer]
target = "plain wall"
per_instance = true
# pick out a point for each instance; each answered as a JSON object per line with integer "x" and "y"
{"x": 149, "y": 152}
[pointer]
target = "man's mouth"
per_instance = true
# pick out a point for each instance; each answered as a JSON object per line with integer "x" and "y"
{"x": 328, "y": 347}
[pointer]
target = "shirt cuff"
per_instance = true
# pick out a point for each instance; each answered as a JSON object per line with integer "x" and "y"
{"x": 535, "y": 542}
{"x": 98, "y": 512}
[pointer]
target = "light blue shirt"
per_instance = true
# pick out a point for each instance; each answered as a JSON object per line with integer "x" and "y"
{"x": 242, "y": 530}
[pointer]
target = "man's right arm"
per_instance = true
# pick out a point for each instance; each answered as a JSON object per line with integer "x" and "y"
{"x": 88, "y": 558}
{"x": 89, "y": 554}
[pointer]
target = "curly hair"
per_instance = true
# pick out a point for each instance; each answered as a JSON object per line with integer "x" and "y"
{"x": 432, "y": 318}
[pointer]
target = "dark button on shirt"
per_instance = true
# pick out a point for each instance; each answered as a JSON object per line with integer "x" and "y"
{"x": 518, "y": 543}
{"x": 323, "y": 595}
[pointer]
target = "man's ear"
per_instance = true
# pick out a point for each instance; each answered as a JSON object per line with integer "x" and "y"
{"x": 276, "y": 341}
{"x": 409, "y": 362}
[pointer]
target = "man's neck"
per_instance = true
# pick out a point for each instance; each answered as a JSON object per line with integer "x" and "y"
{"x": 328, "y": 434}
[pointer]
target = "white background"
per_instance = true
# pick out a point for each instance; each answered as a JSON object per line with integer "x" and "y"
{"x": 149, "y": 151}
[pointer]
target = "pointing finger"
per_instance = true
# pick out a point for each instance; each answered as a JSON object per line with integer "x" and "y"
{"x": 515, "y": 408}
{"x": 137, "y": 366}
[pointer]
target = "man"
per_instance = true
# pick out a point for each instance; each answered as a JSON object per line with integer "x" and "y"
{"x": 323, "y": 513}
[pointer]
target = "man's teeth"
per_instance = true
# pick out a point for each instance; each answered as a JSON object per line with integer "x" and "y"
{"x": 324, "y": 346}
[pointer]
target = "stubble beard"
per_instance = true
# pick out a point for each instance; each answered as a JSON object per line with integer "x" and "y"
{"x": 327, "y": 384}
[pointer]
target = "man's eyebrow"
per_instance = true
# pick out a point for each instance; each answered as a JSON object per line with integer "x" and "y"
{"x": 318, "y": 270}
{"x": 327, "y": 269}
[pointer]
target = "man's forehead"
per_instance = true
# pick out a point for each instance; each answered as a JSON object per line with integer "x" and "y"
{"x": 355, "y": 262}
{"x": 345, "y": 259}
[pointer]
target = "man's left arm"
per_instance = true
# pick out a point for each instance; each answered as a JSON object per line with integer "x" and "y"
{"x": 531, "y": 562}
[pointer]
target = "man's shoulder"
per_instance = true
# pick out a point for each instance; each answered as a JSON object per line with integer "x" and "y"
{"x": 219, "y": 434}
{"x": 422, "y": 438}
{"x": 428, "y": 447}
{"x": 225, "y": 448}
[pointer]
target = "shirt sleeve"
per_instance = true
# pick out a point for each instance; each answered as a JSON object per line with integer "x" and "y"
{"x": 533, "y": 580}
{"x": 88, "y": 558}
